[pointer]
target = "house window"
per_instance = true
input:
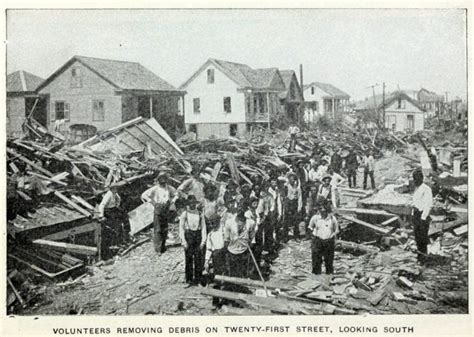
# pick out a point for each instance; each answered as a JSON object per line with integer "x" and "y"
{"x": 410, "y": 122}
{"x": 312, "y": 90}
{"x": 193, "y": 128}
{"x": 227, "y": 105}
{"x": 196, "y": 105}
{"x": 61, "y": 110}
{"x": 210, "y": 76}
{"x": 401, "y": 103}
{"x": 76, "y": 78}
{"x": 98, "y": 111}
{"x": 233, "y": 130}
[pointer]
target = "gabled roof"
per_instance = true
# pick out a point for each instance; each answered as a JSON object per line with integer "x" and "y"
{"x": 287, "y": 76}
{"x": 22, "y": 81}
{"x": 121, "y": 74}
{"x": 243, "y": 75}
{"x": 368, "y": 104}
{"x": 329, "y": 89}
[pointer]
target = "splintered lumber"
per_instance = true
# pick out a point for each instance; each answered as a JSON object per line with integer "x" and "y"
{"x": 383, "y": 231}
{"x": 23, "y": 195}
{"x": 356, "y": 246}
{"x": 66, "y": 247}
{"x": 72, "y": 203}
{"x": 275, "y": 304}
{"x": 250, "y": 283}
{"x": 29, "y": 162}
{"x": 46, "y": 178}
{"x": 234, "y": 171}
{"x": 447, "y": 226}
{"x": 15, "y": 291}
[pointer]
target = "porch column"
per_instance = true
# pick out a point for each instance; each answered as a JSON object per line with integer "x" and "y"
{"x": 268, "y": 109}
{"x": 151, "y": 106}
{"x": 333, "y": 108}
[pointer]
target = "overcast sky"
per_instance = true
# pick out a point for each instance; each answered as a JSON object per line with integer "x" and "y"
{"x": 351, "y": 49}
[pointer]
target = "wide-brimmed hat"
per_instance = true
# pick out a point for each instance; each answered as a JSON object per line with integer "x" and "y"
{"x": 162, "y": 175}
{"x": 326, "y": 177}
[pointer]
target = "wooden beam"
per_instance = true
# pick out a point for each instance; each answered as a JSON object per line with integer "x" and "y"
{"x": 29, "y": 162}
{"x": 66, "y": 247}
{"x": 72, "y": 204}
{"x": 375, "y": 228}
{"x": 251, "y": 283}
{"x": 90, "y": 227}
{"x": 46, "y": 178}
{"x": 389, "y": 221}
{"x": 82, "y": 202}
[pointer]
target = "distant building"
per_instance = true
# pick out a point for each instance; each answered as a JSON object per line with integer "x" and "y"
{"x": 430, "y": 101}
{"x": 105, "y": 93}
{"x": 228, "y": 99}
{"x": 291, "y": 99}
{"x": 324, "y": 98}
{"x": 402, "y": 113}
{"x": 21, "y": 98}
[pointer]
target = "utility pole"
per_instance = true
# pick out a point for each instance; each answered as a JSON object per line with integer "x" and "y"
{"x": 383, "y": 105}
{"x": 301, "y": 108}
{"x": 375, "y": 102}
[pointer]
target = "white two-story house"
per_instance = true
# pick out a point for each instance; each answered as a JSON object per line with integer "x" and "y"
{"x": 228, "y": 99}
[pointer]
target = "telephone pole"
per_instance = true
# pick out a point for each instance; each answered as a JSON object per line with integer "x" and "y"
{"x": 375, "y": 102}
{"x": 383, "y": 105}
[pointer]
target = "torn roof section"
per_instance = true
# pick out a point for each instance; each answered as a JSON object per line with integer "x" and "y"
{"x": 133, "y": 136}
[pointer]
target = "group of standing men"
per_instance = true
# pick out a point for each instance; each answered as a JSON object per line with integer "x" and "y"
{"x": 226, "y": 228}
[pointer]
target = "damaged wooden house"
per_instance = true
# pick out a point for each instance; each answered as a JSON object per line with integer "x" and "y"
{"x": 89, "y": 94}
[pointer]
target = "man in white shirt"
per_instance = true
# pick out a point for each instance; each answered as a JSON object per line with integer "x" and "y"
{"x": 162, "y": 197}
{"x": 293, "y": 130}
{"x": 422, "y": 204}
{"x": 324, "y": 228}
{"x": 369, "y": 166}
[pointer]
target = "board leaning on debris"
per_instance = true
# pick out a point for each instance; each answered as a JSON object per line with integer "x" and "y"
{"x": 55, "y": 234}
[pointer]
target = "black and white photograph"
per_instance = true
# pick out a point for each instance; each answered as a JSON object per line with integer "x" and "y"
{"x": 237, "y": 162}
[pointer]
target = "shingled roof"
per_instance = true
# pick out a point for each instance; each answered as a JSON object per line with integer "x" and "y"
{"x": 22, "y": 81}
{"x": 244, "y": 76}
{"x": 121, "y": 74}
{"x": 331, "y": 90}
{"x": 368, "y": 104}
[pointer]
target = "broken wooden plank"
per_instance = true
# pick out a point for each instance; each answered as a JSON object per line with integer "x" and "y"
{"x": 234, "y": 171}
{"x": 16, "y": 292}
{"x": 375, "y": 228}
{"x": 356, "y": 246}
{"x": 66, "y": 247}
{"x": 250, "y": 283}
{"x": 82, "y": 202}
{"x": 90, "y": 227}
{"x": 72, "y": 204}
{"x": 29, "y": 162}
{"x": 46, "y": 178}
{"x": 461, "y": 230}
{"x": 23, "y": 195}
{"x": 389, "y": 221}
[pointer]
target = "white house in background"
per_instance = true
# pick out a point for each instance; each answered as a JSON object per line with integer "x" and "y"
{"x": 228, "y": 99}
{"x": 402, "y": 113}
{"x": 324, "y": 98}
